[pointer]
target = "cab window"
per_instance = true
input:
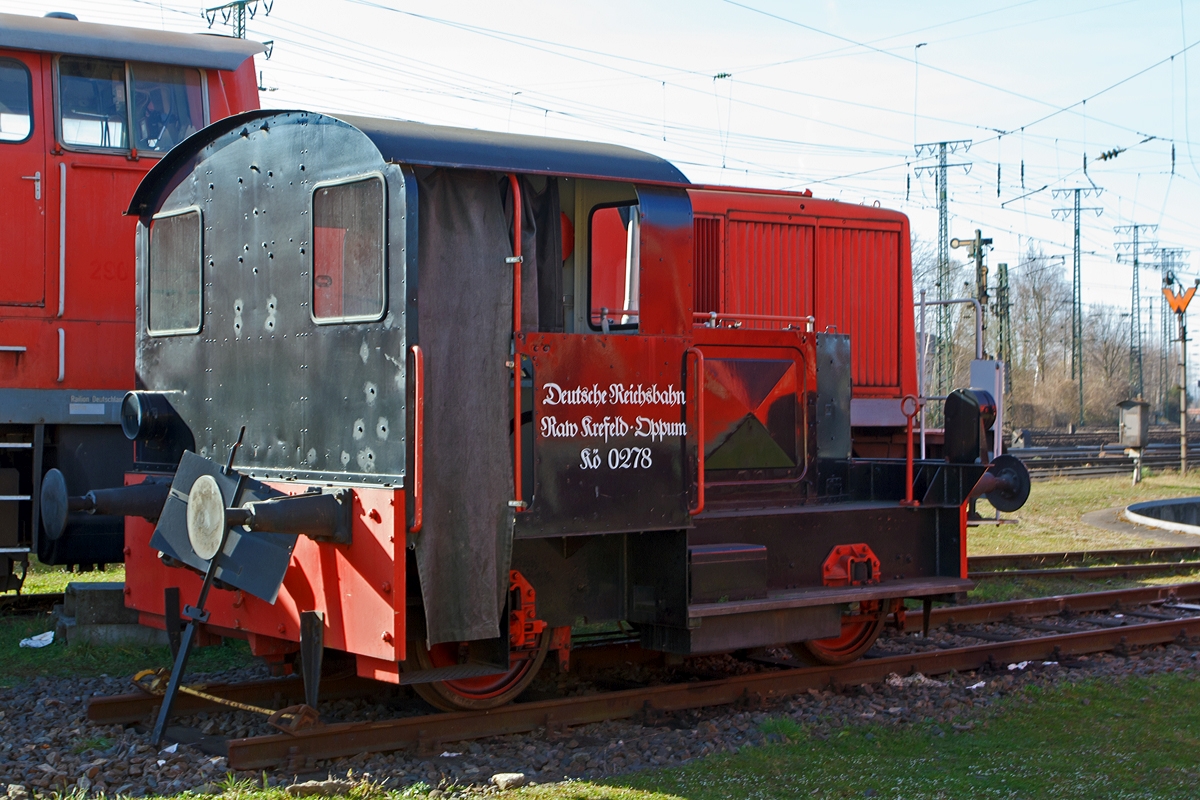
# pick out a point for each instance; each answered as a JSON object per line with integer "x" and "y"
{"x": 92, "y": 108}
{"x": 348, "y": 279}
{"x": 16, "y": 92}
{"x": 167, "y": 105}
{"x": 613, "y": 267}
{"x": 173, "y": 280}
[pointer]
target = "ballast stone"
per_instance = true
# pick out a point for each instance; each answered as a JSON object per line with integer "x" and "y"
{"x": 508, "y": 780}
{"x": 329, "y": 788}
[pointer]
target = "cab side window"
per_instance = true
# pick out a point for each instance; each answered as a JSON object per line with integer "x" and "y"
{"x": 92, "y": 107}
{"x": 16, "y": 94}
{"x": 348, "y": 280}
{"x": 613, "y": 267}
{"x": 167, "y": 105}
{"x": 173, "y": 280}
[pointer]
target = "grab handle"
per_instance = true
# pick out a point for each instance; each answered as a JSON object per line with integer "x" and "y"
{"x": 418, "y": 493}
{"x": 693, "y": 351}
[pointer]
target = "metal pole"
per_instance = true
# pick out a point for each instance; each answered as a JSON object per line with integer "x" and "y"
{"x": 945, "y": 354}
{"x": 921, "y": 376}
{"x": 1135, "y": 325}
{"x": 1077, "y": 315}
{"x": 1183, "y": 404}
{"x": 978, "y": 318}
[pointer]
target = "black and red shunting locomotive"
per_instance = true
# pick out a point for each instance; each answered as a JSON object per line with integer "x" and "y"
{"x": 433, "y": 396}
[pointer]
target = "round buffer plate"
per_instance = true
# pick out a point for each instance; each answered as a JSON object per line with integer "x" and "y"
{"x": 54, "y": 504}
{"x": 205, "y": 517}
{"x": 1013, "y": 496}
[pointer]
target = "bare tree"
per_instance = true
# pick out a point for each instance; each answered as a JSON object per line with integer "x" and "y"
{"x": 1041, "y": 315}
{"x": 1106, "y": 363}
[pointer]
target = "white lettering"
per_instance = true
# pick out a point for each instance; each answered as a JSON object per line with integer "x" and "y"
{"x": 553, "y": 429}
{"x": 658, "y": 429}
{"x": 579, "y": 396}
{"x": 641, "y": 395}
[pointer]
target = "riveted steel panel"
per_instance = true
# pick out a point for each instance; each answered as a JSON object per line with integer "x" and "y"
{"x": 319, "y": 401}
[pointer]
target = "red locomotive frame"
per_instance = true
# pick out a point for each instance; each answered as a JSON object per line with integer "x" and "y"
{"x": 71, "y": 158}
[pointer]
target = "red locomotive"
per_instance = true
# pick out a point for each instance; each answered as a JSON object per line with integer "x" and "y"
{"x": 85, "y": 111}
{"x": 431, "y": 397}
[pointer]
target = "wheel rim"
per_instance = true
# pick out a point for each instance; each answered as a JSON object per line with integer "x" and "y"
{"x": 485, "y": 691}
{"x": 859, "y": 632}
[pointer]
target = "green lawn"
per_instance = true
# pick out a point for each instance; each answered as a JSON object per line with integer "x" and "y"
{"x": 1050, "y": 521}
{"x": 18, "y": 664}
{"x": 43, "y": 579}
{"x": 1136, "y": 738}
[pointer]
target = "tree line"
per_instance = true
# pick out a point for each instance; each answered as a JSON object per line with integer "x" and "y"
{"x": 1042, "y": 393}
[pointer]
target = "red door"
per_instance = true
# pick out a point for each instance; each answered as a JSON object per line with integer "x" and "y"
{"x": 23, "y": 183}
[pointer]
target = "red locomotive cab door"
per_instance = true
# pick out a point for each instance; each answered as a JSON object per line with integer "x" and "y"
{"x": 23, "y": 184}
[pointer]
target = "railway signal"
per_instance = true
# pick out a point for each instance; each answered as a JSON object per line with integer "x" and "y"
{"x": 1179, "y": 304}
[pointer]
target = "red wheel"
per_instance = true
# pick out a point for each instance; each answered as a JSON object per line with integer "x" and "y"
{"x": 474, "y": 694}
{"x": 860, "y": 629}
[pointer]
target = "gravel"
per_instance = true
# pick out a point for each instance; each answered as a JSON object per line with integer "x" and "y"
{"x": 47, "y": 745}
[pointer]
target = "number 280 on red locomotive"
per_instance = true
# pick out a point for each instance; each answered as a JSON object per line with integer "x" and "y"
{"x": 433, "y": 396}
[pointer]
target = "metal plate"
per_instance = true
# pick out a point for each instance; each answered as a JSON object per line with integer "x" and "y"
{"x": 205, "y": 517}
{"x": 260, "y": 360}
{"x": 254, "y": 561}
{"x": 610, "y": 416}
{"x": 54, "y": 503}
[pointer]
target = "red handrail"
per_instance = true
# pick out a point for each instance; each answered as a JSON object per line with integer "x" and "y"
{"x": 515, "y": 259}
{"x": 910, "y": 406}
{"x": 694, "y": 351}
{"x": 710, "y": 317}
{"x": 418, "y": 493}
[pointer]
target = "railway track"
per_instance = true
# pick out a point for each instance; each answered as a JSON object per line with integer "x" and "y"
{"x": 1124, "y": 619}
{"x": 1044, "y": 463}
{"x": 1081, "y": 558}
{"x": 1085, "y": 564}
{"x": 29, "y": 603}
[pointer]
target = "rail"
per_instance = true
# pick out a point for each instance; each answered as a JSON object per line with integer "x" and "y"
{"x": 429, "y": 732}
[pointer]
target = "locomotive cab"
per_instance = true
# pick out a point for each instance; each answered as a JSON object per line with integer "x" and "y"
{"x": 478, "y": 355}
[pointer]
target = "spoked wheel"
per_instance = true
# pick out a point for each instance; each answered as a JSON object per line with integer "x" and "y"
{"x": 860, "y": 629}
{"x": 474, "y": 694}
{"x": 529, "y": 641}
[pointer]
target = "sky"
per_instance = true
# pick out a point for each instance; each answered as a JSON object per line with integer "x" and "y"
{"x": 834, "y": 97}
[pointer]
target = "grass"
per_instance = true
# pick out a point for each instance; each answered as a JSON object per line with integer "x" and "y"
{"x": 1134, "y": 738}
{"x": 44, "y": 579}
{"x": 996, "y": 590}
{"x": 18, "y": 664}
{"x": 1051, "y": 520}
